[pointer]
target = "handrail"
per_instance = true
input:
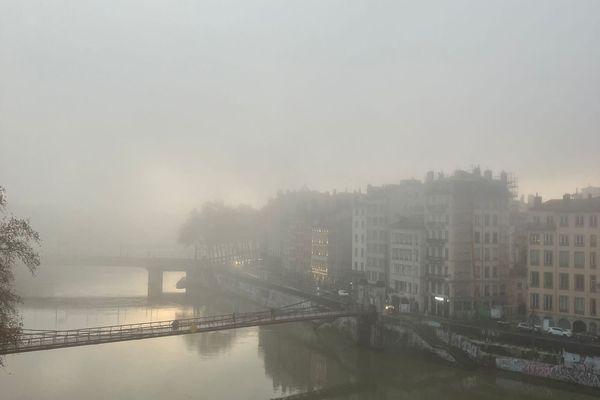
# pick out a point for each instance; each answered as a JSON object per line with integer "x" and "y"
{"x": 31, "y": 340}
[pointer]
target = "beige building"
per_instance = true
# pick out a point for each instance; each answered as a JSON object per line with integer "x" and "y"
{"x": 372, "y": 215}
{"x": 467, "y": 233}
{"x": 319, "y": 264}
{"x": 563, "y": 262}
{"x": 407, "y": 249}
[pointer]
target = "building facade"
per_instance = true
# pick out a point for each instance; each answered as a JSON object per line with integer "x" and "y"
{"x": 406, "y": 260}
{"x": 372, "y": 215}
{"x": 319, "y": 264}
{"x": 563, "y": 263}
{"x": 467, "y": 233}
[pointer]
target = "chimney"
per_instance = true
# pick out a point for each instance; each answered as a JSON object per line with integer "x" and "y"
{"x": 537, "y": 201}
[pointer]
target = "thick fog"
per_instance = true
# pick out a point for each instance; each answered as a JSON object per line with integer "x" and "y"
{"x": 119, "y": 117}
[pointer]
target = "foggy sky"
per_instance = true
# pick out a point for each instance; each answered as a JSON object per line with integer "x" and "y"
{"x": 123, "y": 115}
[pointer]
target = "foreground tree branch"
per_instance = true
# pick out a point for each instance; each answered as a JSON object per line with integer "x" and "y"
{"x": 17, "y": 241}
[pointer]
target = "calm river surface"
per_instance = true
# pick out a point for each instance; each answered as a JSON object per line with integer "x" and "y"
{"x": 250, "y": 363}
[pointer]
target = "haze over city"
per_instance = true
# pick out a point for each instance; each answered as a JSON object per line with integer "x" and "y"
{"x": 124, "y": 116}
{"x": 271, "y": 199}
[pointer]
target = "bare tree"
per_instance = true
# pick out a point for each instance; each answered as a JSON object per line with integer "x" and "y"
{"x": 217, "y": 223}
{"x": 17, "y": 240}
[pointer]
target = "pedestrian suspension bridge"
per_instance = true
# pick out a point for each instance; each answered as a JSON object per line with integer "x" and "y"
{"x": 35, "y": 340}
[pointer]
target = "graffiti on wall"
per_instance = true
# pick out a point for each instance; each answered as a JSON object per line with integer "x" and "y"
{"x": 460, "y": 342}
{"x": 590, "y": 362}
{"x": 574, "y": 372}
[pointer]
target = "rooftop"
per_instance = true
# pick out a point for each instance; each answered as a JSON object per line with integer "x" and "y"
{"x": 570, "y": 205}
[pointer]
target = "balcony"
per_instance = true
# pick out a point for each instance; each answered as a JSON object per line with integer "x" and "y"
{"x": 541, "y": 226}
{"x": 436, "y": 241}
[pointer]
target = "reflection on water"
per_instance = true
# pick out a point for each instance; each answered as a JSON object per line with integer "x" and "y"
{"x": 250, "y": 363}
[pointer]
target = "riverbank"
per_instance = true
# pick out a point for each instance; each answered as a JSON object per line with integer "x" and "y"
{"x": 477, "y": 348}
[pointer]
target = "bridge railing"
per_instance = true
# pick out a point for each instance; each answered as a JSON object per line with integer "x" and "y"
{"x": 44, "y": 339}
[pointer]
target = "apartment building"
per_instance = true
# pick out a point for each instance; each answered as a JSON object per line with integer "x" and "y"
{"x": 319, "y": 264}
{"x": 563, "y": 262}
{"x": 373, "y": 213}
{"x": 467, "y": 234}
{"x": 407, "y": 249}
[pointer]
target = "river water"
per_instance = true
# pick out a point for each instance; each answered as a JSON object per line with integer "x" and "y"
{"x": 249, "y": 363}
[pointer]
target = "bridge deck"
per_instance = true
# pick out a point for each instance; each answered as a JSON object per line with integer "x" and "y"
{"x": 35, "y": 340}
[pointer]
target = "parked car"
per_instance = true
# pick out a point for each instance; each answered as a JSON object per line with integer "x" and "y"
{"x": 524, "y": 326}
{"x": 343, "y": 293}
{"x": 556, "y": 331}
{"x": 527, "y": 327}
{"x": 503, "y": 325}
{"x": 390, "y": 309}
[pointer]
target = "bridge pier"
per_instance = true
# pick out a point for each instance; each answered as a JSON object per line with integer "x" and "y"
{"x": 155, "y": 282}
{"x": 370, "y": 330}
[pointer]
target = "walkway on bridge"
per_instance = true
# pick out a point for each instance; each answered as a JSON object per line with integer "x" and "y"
{"x": 34, "y": 340}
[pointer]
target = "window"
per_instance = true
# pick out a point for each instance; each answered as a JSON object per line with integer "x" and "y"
{"x": 563, "y": 304}
{"x": 535, "y": 279}
{"x": 487, "y": 237}
{"x": 550, "y": 220}
{"x": 355, "y": 252}
{"x": 548, "y": 255}
{"x": 477, "y": 236}
{"x": 486, "y": 219}
{"x": 593, "y": 240}
{"x": 563, "y": 240}
{"x": 579, "y": 282}
{"x": 534, "y": 238}
{"x": 495, "y": 237}
{"x": 534, "y": 257}
{"x": 593, "y": 283}
{"x": 579, "y": 240}
{"x": 579, "y": 220}
{"x": 495, "y": 220}
{"x": 548, "y": 239}
{"x": 535, "y": 301}
{"x": 564, "y": 220}
{"x": 593, "y": 220}
{"x": 579, "y": 259}
{"x": 548, "y": 280}
{"x": 548, "y": 302}
{"x": 563, "y": 281}
{"x": 592, "y": 306}
{"x": 579, "y": 305}
{"x": 486, "y": 254}
{"x": 563, "y": 259}
{"x": 592, "y": 260}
